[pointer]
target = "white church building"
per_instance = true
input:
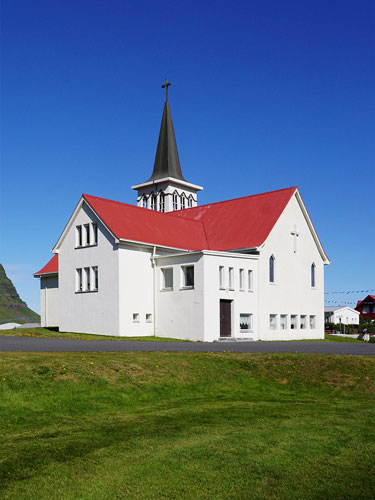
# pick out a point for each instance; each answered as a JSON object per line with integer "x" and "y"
{"x": 249, "y": 267}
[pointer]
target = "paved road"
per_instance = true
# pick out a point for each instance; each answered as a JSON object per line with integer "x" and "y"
{"x": 28, "y": 344}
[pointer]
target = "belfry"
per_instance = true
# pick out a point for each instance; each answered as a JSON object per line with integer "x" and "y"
{"x": 167, "y": 190}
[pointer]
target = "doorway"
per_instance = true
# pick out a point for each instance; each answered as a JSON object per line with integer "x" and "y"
{"x": 225, "y": 318}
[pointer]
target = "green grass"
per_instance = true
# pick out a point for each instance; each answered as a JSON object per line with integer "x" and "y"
{"x": 53, "y": 334}
{"x": 186, "y": 426}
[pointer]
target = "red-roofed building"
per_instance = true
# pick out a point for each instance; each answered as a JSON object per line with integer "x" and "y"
{"x": 366, "y": 307}
{"x": 251, "y": 267}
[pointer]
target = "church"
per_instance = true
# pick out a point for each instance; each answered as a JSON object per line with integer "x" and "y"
{"x": 246, "y": 268}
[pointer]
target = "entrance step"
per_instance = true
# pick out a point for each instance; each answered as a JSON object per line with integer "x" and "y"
{"x": 235, "y": 339}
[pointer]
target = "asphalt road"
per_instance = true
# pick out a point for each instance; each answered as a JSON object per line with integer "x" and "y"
{"x": 27, "y": 344}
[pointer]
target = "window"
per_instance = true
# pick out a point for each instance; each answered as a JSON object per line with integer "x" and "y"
{"x": 250, "y": 280}
{"x": 190, "y": 201}
{"x": 272, "y": 269}
{"x": 94, "y": 227}
{"x": 79, "y": 280}
{"x": 183, "y": 201}
{"x": 293, "y": 321}
{"x": 283, "y": 321}
{"x": 144, "y": 201}
{"x": 242, "y": 274}
{"x": 95, "y": 281}
{"x": 175, "y": 201}
{"x": 135, "y": 317}
{"x": 231, "y": 278}
{"x": 153, "y": 202}
{"x": 303, "y": 321}
{"x": 161, "y": 202}
{"x": 273, "y": 321}
{"x": 78, "y": 236}
{"x": 87, "y": 234}
{"x": 246, "y": 322}
{"x": 312, "y": 322}
{"x": 87, "y": 279}
{"x": 148, "y": 318}
{"x": 187, "y": 276}
{"x": 167, "y": 278}
{"x": 221, "y": 277}
{"x": 313, "y": 275}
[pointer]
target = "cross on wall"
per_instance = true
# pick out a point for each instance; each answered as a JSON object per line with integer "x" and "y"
{"x": 295, "y": 235}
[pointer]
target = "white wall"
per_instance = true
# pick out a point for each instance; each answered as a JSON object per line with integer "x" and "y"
{"x": 243, "y": 301}
{"x": 292, "y": 292}
{"x": 179, "y": 312}
{"x": 89, "y": 312}
{"x": 49, "y": 301}
{"x": 135, "y": 290}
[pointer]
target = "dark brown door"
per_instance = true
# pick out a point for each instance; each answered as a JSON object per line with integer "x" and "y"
{"x": 225, "y": 318}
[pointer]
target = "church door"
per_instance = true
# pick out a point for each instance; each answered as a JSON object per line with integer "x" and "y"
{"x": 225, "y": 318}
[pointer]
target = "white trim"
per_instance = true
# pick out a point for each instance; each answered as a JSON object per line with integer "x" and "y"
{"x": 168, "y": 179}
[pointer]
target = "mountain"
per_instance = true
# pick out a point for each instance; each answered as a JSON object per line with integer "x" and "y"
{"x": 12, "y": 308}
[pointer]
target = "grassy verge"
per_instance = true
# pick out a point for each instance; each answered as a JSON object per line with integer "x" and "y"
{"x": 186, "y": 426}
{"x": 53, "y": 334}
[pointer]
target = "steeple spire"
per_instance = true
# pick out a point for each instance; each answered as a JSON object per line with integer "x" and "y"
{"x": 167, "y": 162}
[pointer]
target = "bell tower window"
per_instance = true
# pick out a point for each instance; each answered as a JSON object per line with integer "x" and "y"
{"x": 175, "y": 201}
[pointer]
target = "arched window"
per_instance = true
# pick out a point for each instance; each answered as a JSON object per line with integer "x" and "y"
{"x": 144, "y": 201}
{"x": 190, "y": 201}
{"x": 153, "y": 202}
{"x": 313, "y": 274}
{"x": 182, "y": 201}
{"x": 175, "y": 201}
{"x": 272, "y": 269}
{"x": 161, "y": 202}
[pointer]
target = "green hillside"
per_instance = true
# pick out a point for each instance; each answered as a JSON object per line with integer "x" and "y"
{"x": 11, "y": 306}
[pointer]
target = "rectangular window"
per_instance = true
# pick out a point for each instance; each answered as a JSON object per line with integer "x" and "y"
{"x": 95, "y": 278}
{"x": 94, "y": 228}
{"x": 283, "y": 321}
{"x": 175, "y": 201}
{"x": 231, "y": 278}
{"x": 153, "y": 202}
{"x": 78, "y": 236}
{"x": 303, "y": 321}
{"x": 79, "y": 280}
{"x": 148, "y": 318}
{"x": 182, "y": 201}
{"x": 135, "y": 317}
{"x": 167, "y": 278}
{"x": 312, "y": 322}
{"x": 273, "y": 321}
{"x": 87, "y": 278}
{"x": 246, "y": 322}
{"x": 250, "y": 280}
{"x": 293, "y": 321}
{"x": 87, "y": 234}
{"x": 161, "y": 202}
{"x": 187, "y": 276}
{"x": 221, "y": 277}
{"x": 242, "y": 279}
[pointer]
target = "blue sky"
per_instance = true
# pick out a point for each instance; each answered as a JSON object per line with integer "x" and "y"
{"x": 265, "y": 95}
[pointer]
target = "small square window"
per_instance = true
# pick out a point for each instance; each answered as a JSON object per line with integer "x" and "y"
{"x": 135, "y": 317}
{"x": 148, "y": 318}
{"x": 167, "y": 278}
{"x": 293, "y": 321}
{"x": 187, "y": 276}
{"x": 312, "y": 322}
{"x": 283, "y": 321}
{"x": 273, "y": 321}
{"x": 303, "y": 321}
{"x": 246, "y": 322}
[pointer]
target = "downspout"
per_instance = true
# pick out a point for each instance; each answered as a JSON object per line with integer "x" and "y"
{"x": 154, "y": 287}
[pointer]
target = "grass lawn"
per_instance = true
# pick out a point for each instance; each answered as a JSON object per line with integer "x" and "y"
{"x": 53, "y": 334}
{"x": 114, "y": 426}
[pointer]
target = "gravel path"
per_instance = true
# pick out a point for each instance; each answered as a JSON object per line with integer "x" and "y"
{"x": 27, "y": 344}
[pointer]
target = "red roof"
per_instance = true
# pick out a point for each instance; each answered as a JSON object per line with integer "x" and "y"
{"x": 239, "y": 223}
{"x": 52, "y": 266}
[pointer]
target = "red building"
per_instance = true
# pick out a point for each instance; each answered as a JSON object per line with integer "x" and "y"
{"x": 366, "y": 307}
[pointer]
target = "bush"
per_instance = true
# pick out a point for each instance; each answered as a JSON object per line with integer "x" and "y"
{"x": 353, "y": 329}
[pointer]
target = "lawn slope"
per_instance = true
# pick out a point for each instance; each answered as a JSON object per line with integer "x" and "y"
{"x": 186, "y": 426}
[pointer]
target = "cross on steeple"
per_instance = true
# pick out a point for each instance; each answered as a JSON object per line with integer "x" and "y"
{"x": 295, "y": 233}
{"x": 165, "y": 86}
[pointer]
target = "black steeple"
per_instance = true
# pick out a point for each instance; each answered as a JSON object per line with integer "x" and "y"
{"x": 167, "y": 162}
